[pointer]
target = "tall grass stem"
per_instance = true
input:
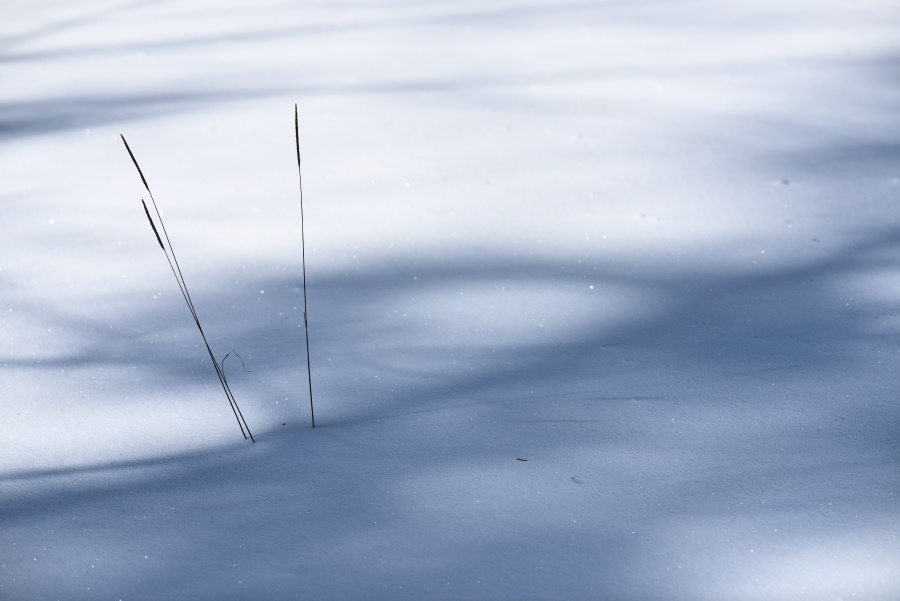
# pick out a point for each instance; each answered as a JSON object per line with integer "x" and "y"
{"x": 303, "y": 254}
{"x": 182, "y": 286}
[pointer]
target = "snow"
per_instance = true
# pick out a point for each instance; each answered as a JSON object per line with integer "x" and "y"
{"x": 603, "y": 300}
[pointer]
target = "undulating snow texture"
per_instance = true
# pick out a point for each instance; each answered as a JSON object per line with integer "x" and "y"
{"x": 604, "y": 300}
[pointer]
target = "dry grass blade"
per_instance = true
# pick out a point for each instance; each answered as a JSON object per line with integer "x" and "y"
{"x": 153, "y": 225}
{"x": 182, "y": 286}
{"x": 303, "y": 247}
{"x": 134, "y": 160}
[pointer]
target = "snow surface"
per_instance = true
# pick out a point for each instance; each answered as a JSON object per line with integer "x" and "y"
{"x": 652, "y": 248}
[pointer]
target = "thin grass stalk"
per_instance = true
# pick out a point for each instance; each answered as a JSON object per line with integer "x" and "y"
{"x": 190, "y": 303}
{"x": 182, "y": 286}
{"x": 303, "y": 251}
{"x": 231, "y": 401}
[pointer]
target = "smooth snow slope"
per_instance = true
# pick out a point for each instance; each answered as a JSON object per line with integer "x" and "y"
{"x": 652, "y": 248}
